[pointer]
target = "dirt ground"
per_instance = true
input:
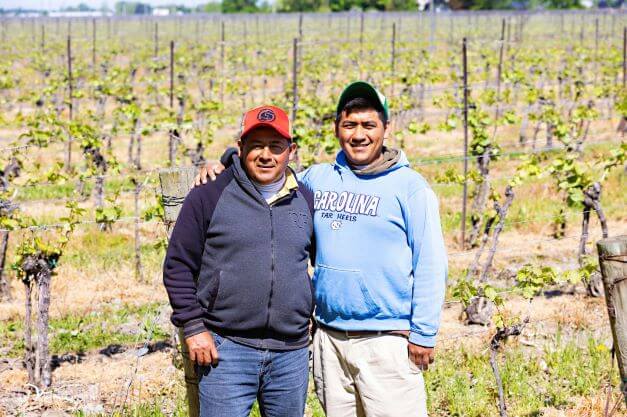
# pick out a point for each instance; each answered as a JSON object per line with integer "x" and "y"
{"x": 105, "y": 380}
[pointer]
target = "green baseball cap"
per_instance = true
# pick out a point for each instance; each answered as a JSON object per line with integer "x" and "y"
{"x": 364, "y": 90}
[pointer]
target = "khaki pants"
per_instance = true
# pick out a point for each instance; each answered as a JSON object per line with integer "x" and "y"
{"x": 366, "y": 376}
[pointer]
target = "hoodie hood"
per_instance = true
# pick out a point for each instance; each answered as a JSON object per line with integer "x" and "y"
{"x": 392, "y": 159}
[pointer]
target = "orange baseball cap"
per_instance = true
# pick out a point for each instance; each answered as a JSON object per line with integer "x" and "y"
{"x": 266, "y": 116}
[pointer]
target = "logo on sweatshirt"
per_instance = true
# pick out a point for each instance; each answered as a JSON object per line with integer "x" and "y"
{"x": 346, "y": 202}
{"x": 299, "y": 219}
{"x": 336, "y": 224}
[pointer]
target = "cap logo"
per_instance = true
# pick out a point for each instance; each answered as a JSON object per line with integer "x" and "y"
{"x": 266, "y": 115}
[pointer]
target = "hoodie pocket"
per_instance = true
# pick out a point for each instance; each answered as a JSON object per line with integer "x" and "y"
{"x": 208, "y": 291}
{"x": 343, "y": 294}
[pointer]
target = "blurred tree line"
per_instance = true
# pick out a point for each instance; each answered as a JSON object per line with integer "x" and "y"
{"x": 343, "y": 5}
{"x": 252, "y": 6}
{"x": 126, "y": 7}
{"x": 247, "y": 6}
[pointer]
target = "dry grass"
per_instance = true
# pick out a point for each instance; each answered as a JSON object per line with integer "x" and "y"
{"x": 97, "y": 289}
{"x": 98, "y": 383}
{"x": 593, "y": 406}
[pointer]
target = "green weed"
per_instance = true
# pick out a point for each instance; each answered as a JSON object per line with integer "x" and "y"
{"x": 462, "y": 383}
{"x": 78, "y": 333}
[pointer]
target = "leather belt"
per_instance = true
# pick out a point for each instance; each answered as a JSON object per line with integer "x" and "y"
{"x": 367, "y": 333}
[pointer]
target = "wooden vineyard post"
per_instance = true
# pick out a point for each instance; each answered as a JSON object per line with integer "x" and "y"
{"x": 561, "y": 26}
{"x": 33, "y": 31}
{"x": 300, "y": 39}
{"x": 432, "y": 28}
{"x": 622, "y": 126}
{"x": 451, "y": 29}
{"x": 68, "y": 152}
{"x": 5, "y": 287}
{"x": 295, "y": 65}
{"x": 499, "y": 72}
{"x": 138, "y": 259}
{"x": 361, "y": 45}
{"x": 624, "y": 57}
{"x": 156, "y": 40}
{"x": 509, "y": 33}
{"x": 596, "y": 49}
{"x": 465, "y": 191}
{"x": 175, "y": 184}
{"x": 222, "y": 63}
{"x": 197, "y": 31}
{"x": 613, "y": 263}
{"x": 171, "y": 74}
{"x": 361, "y": 38}
{"x": 93, "y": 43}
{"x": 393, "y": 49}
{"x": 294, "y": 80}
{"x": 393, "y": 58}
{"x": 173, "y": 133}
{"x": 245, "y": 32}
{"x": 581, "y": 32}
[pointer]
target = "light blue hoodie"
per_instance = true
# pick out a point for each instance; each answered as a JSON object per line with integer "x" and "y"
{"x": 380, "y": 261}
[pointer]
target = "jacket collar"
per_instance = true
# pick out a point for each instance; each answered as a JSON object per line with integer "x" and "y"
{"x": 291, "y": 184}
{"x": 399, "y": 161}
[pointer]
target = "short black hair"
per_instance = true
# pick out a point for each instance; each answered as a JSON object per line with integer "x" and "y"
{"x": 361, "y": 103}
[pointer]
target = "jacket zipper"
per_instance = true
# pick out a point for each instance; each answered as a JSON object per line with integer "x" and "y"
{"x": 272, "y": 268}
{"x": 272, "y": 279}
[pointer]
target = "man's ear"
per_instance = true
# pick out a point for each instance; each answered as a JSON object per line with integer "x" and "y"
{"x": 388, "y": 130}
{"x": 240, "y": 148}
{"x": 292, "y": 149}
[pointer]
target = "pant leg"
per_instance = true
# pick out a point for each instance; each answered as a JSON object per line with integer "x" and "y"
{"x": 230, "y": 388}
{"x": 333, "y": 377}
{"x": 191, "y": 378}
{"x": 388, "y": 384}
{"x": 284, "y": 381}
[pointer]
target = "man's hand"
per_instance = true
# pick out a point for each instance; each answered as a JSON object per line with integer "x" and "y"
{"x": 209, "y": 170}
{"x": 420, "y": 355}
{"x": 202, "y": 349}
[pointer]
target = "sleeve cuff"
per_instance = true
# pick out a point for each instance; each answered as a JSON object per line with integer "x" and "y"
{"x": 226, "y": 158}
{"x": 421, "y": 340}
{"x": 193, "y": 327}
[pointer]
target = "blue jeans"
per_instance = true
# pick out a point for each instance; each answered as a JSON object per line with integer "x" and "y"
{"x": 277, "y": 380}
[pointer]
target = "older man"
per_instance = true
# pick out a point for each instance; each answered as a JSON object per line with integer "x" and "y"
{"x": 380, "y": 268}
{"x": 246, "y": 239}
